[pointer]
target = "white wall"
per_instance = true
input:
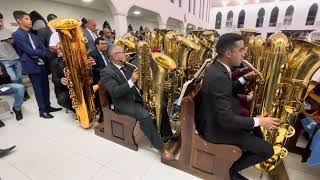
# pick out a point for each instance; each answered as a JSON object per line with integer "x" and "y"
{"x": 301, "y": 8}
{"x": 165, "y": 9}
{"x": 137, "y": 22}
{"x": 47, "y": 7}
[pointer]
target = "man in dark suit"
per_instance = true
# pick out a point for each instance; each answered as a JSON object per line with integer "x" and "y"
{"x": 218, "y": 108}
{"x": 32, "y": 55}
{"x": 99, "y": 54}
{"x": 45, "y": 33}
{"x": 90, "y": 33}
{"x": 119, "y": 79}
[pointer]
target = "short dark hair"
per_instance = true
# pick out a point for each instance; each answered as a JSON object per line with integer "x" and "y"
{"x": 226, "y": 42}
{"x": 19, "y": 14}
{"x": 97, "y": 41}
{"x": 1, "y": 16}
{"x": 51, "y": 17}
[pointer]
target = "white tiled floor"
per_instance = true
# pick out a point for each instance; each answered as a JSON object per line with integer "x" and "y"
{"x": 58, "y": 149}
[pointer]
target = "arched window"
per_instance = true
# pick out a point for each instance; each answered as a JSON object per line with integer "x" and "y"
{"x": 218, "y": 20}
{"x": 242, "y": 16}
{"x": 189, "y": 6}
{"x": 312, "y": 15}
{"x": 260, "y": 18}
{"x": 288, "y": 17}
{"x": 229, "y": 19}
{"x": 274, "y": 17}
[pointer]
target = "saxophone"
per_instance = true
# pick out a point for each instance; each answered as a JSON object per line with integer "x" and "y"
{"x": 290, "y": 69}
{"x": 77, "y": 71}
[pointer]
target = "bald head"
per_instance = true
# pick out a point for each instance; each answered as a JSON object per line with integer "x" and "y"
{"x": 91, "y": 24}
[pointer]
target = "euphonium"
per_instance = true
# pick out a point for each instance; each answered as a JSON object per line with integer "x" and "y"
{"x": 292, "y": 69}
{"x": 77, "y": 69}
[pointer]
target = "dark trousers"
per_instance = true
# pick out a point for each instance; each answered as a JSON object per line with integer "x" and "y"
{"x": 139, "y": 112}
{"x": 64, "y": 100}
{"x": 165, "y": 128}
{"x": 255, "y": 150}
{"x": 40, "y": 84}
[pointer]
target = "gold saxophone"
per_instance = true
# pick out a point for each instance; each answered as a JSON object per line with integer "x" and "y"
{"x": 78, "y": 70}
{"x": 290, "y": 69}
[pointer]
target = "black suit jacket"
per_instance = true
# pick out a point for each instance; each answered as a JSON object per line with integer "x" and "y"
{"x": 218, "y": 108}
{"x": 57, "y": 67}
{"x": 96, "y": 55}
{"x": 44, "y": 35}
{"x": 122, "y": 96}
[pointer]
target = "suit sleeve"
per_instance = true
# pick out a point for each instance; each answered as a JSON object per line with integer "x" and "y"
{"x": 222, "y": 93}
{"x": 115, "y": 89}
{"x": 237, "y": 87}
{"x": 24, "y": 46}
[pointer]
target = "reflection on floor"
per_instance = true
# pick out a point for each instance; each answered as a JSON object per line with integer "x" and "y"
{"x": 59, "y": 149}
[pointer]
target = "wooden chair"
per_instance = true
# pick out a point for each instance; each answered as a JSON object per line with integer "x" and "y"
{"x": 116, "y": 127}
{"x": 197, "y": 156}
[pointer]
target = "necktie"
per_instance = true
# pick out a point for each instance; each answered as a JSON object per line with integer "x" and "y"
{"x": 104, "y": 57}
{"x": 40, "y": 61}
{"x": 31, "y": 41}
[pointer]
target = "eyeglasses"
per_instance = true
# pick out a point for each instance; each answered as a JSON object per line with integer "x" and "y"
{"x": 122, "y": 52}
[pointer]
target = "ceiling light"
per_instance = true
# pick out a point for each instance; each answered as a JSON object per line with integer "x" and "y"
{"x": 87, "y": 1}
{"x": 224, "y": 3}
{"x": 136, "y": 12}
{"x": 241, "y": 2}
{"x": 190, "y": 26}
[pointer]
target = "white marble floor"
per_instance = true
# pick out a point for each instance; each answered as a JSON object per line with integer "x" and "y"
{"x": 59, "y": 149}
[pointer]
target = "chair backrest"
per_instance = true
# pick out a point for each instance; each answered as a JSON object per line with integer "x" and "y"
{"x": 188, "y": 107}
{"x": 104, "y": 96}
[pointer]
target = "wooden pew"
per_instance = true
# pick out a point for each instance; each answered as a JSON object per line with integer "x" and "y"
{"x": 197, "y": 156}
{"x": 116, "y": 127}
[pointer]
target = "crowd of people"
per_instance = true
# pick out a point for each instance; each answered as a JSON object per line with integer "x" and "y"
{"x": 38, "y": 55}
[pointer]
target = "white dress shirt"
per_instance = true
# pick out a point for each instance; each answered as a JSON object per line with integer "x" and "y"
{"x": 242, "y": 81}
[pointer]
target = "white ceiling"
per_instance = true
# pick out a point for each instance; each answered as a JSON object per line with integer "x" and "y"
{"x": 101, "y": 5}
{"x": 217, "y": 3}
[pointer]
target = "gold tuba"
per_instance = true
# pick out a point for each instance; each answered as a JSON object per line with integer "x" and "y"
{"x": 289, "y": 72}
{"x": 77, "y": 69}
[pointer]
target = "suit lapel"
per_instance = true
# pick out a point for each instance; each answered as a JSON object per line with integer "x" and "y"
{"x": 118, "y": 72}
{"x": 223, "y": 69}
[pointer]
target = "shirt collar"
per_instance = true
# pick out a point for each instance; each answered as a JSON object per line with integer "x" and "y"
{"x": 118, "y": 66}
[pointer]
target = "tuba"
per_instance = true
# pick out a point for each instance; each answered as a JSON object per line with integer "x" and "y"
{"x": 77, "y": 69}
{"x": 290, "y": 69}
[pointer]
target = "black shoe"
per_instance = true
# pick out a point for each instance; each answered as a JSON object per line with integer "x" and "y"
{"x": 1, "y": 124}
{"x": 52, "y": 109}
{"x": 18, "y": 113}
{"x": 236, "y": 176}
{"x": 4, "y": 152}
{"x": 46, "y": 115}
{"x": 26, "y": 95}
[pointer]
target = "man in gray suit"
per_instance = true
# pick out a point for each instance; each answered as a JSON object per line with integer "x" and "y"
{"x": 90, "y": 33}
{"x": 119, "y": 79}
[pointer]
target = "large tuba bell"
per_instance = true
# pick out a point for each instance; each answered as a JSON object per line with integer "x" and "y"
{"x": 77, "y": 69}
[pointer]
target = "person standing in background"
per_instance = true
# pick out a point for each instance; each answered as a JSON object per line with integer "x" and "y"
{"x": 9, "y": 57}
{"x": 33, "y": 54}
